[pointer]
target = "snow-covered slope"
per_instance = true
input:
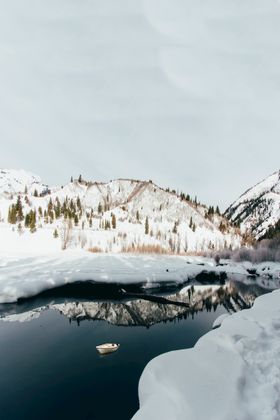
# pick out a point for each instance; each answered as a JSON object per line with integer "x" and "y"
{"x": 121, "y": 215}
{"x": 258, "y": 209}
{"x": 232, "y": 372}
{"x": 13, "y": 181}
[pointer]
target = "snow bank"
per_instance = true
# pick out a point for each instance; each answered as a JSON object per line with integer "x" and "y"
{"x": 25, "y": 275}
{"x": 28, "y": 276}
{"x": 232, "y": 373}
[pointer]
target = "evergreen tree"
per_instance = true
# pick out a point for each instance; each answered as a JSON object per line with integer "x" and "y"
{"x": 40, "y": 211}
{"x": 76, "y": 220}
{"x": 19, "y": 210}
{"x": 90, "y": 222}
{"x": 50, "y": 206}
{"x": 218, "y": 210}
{"x": 79, "y": 206}
{"x": 107, "y": 225}
{"x": 51, "y": 216}
{"x": 174, "y": 230}
{"x": 114, "y": 222}
{"x": 191, "y": 222}
{"x": 147, "y": 226}
{"x": 55, "y": 234}
{"x": 36, "y": 193}
{"x": 137, "y": 216}
{"x": 71, "y": 179}
{"x": 12, "y": 215}
{"x": 57, "y": 209}
{"x": 99, "y": 208}
{"x": 80, "y": 179}
{"x": 27, "y": 220}
{"x": 32, "y": 224}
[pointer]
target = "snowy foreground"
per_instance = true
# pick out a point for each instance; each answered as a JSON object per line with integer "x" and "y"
{"x": 26, "y": 276}
{"x": 233, "y": 373}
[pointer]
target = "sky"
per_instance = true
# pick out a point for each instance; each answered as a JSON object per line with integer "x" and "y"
{"x": 183, "y": 92}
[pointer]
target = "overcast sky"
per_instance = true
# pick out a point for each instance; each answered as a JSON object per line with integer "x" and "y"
{"x": 184, "y": 92}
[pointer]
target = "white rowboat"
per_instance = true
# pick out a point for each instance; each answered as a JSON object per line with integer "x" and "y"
{"x": 107, "y": 348}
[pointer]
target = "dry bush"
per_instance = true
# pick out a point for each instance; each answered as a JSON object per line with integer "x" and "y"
{"x": 144, "y": 249}
{"x": 265, "y": 250}
{"x": 95, "y": 249}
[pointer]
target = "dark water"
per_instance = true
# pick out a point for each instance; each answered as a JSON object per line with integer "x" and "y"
{"x": 49, "y": 367}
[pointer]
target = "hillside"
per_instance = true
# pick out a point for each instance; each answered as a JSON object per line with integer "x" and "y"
{"x": 123, "y": 215}
{"x": 257, "y": 211}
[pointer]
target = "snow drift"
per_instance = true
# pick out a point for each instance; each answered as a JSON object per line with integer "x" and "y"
{"x": 232, "y": 373}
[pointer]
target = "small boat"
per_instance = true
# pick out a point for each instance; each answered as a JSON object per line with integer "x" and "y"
{"x": 107, "y": 348}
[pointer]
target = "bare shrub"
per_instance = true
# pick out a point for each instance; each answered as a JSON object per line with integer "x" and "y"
{"x": 144, "y": 249}
{"x": 265, "y": 250}
{"x": 95, "y": 249}
{"x": 66, "y": 233}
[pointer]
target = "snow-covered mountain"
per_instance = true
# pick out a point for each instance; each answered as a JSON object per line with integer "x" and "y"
{"x": 121, "y": 215}
{"x": 258, "y": 209}
{"x": 19, "y": 181}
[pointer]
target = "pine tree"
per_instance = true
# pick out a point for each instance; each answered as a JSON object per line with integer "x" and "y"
{"x": 174, "y": 230}
{"x": 32, "y": 224}
{"x": 114, "y": 222}
{"x": 27, "y": 220}
{"x": 76, "y": 220}
{"x": 79, "y": 206}
{"x": 137, "y": 216}
{"x": 36, "y": 193}
{"x": 71, "y": 179}
{"x": 80, "y": 179}
{"x": 147, "y": 226}
{"x": 218, "y": 210}
{"x": 19, "y": 210}
{"x": 57, "y": 209}
{"x": 107, "y": 225}
{"x": 191, "y": 222}
{"x": 55, "y": 234}
{"x": 99, "y": 208}
{"x": 90, "y": 222}
{"x": 50, "y": 206}
{"x": 51, "y": 214}
{"x": 12, "y": 215}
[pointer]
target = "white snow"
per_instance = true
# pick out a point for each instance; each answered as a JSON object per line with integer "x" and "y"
{"x": 13, "y": 181}
{"x": 131, "y": 201}
{"x": 233, "y": 372}
{"x": 259, "y": 207}
{"x": 218, "y": 322}
{"x": 27, "y": 275}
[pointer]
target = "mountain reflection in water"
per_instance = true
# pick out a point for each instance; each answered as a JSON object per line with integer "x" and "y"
{"x": 146, "y": 311}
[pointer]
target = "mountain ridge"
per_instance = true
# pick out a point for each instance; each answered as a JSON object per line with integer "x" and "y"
{"x": 124, "y": 214}
{"x": 257, "y": 210}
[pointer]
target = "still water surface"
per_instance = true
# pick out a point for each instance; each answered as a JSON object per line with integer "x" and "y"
{"x": 50, "y": 369}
